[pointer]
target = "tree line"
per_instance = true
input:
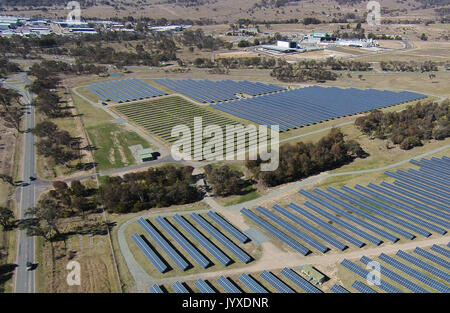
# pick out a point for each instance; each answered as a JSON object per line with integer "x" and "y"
{"x": 301, "y": 160}
{"x": 410, "y": 127}
{"x": 7, "y": 67}
{"x": 157, "y": 187}
{"x": 409, "y": 66}
{"x": 224, "y": 180}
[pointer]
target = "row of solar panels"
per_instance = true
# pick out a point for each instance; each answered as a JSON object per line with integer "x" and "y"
{"x": 403, "y": 274}
{"x": 124, "y": 90}
{"x": 208, "y": 91}
{"x": 374, "y": 214}
{"x": 190, "y": 248}
{"x": 300, "y": 107}
{"x": 249, "y": 282}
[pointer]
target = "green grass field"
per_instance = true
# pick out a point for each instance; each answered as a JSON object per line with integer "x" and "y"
{"x": 160, "y": 116}
{"x": 111, "y": 142}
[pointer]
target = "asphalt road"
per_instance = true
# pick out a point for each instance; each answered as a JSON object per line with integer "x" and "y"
{"x": 25, "y": 280}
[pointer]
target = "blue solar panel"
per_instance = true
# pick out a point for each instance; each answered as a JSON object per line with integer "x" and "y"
{"x": 123, "y": 90}
{"x": 149, "y": 253}
{"x": 409, "y": 208}
{"x": 293, "y": 230}
{"x": 424, "y": 193}
{"x": 155, "y": 289}
{"x": 384, "y": 271}
{"x": 441, "y": 250}
{"x": 174, "y": 256}
{"x": 382, "y": 213}
{"x": 252, "y": 284}
{"x": 275, "y": 232}
{"x": 310, "y": 228}
{"x": 331, "y": 228}
{"x": 219, "y": 255}
{"x": 276, "y": 282}
{"x": 228, "y": 285}
{"x": 344, "y": 214}
{"x": 300, "y": 281}
{"x": 179, "y": 288}
{"x": 401, "y": 192}
{"x": 364, "y": 274}
{"x": 203, "y": 286}
{"x": 433, "y": 258}
{"x": 424, "y": 265}
{"x": 338, "y": 289}
{"x": 414, "y": 273}
{"x": 304, "y": 106}
{"x": 238, "y": 252}
{"x": 414, "y": 183}
{"x": 359, "y": 286}
{"x": 433, "y": 183}
{"x": 228, "y": 227}
{"x": 366, "y": 215}
{"x": 190, "y": 249}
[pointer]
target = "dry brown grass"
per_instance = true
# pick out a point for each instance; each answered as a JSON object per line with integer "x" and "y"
{"x": 92, "y": 252}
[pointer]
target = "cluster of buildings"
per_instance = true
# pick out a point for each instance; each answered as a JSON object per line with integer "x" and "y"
{"x": 24, "y": 26}
{"x": 317, "y": 41}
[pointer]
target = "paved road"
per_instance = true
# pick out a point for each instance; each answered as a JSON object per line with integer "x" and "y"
{"x": 25, "y": 280}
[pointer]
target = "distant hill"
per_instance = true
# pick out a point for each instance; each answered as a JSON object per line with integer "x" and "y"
{"x": 226, "y": 11}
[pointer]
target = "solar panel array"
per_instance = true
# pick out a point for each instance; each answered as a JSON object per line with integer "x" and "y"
{"x": 300, "y": 281}
{"x": 430, "y": 282}
{"x": 149, "y": 253}
{"x": 169, "y": 237}
{"x": 338, "y": 289}
{"x": 300, "y": 107}
{"x": 275, "y": 282}
{"x": 203, "y": 286}
{"x": 155, "y": 289}
{"x": 441, "y": 250}
{"x": 252, "y": 284}
{"x": 275, "y": 232}
{"x": 173, "y": 255}
{"x": 228, "y": 285}
{"x": 362, "y": 287}
{"x": 228, "y": 227}
{"x": 208, "y": 91}
{"x": 384, "y": 271}
{"x": 238, "y": 252}
{"x": 432, "y": 257}
{"x": 179, "y": 288}
{"x": 287, "y": 281}
{"x": 124, "y": 90}
{"x": 373, "y": 213}
{"x": 364, "y": 274}
{"x": 202, "y": 240}
{"x": 424, "y": 265}
{"x": 187, "y": 246}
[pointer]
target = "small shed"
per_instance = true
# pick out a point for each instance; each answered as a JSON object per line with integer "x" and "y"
{"x": 313, "y": 274}
{"x": 145, "y": 155}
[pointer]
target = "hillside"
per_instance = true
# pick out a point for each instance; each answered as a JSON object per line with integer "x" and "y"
{"x": 226, "y": 11}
